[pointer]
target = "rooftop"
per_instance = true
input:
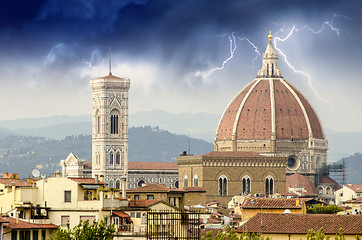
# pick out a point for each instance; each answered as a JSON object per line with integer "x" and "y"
{"x": 14, "y": 182}
{"x": 152, "y": 166}
{"x": 19, "y": 224}
{"x": 301, "y": 223}
{"x": 354, "y": 187}
{"x": 272, "y": 203}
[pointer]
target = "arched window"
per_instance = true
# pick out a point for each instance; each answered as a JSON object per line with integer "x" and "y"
{"x": 223, "y": 185}
{"x": 111, "y": 183}
{"x": 114, "y": 122}
{"x": 118, "y": 158}
{"x": 118, "y": 184}
{"x": 245, "y": 185}
{"x": 186, "y": 181}
{"x": 98, "y": 122}
{"x": 328, "y": 190}
{"x": 269, "y": 185}
{"x": 141, "y": 183}
{"x": 196, "y": 181}
{"x": 111, "y": 158}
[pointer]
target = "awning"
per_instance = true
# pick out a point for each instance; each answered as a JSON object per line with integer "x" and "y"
{"x": 121, "y": 214}
{"x": 90, "y": 186}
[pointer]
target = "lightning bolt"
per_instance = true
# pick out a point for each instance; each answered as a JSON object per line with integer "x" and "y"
{"x": 90, "y": 63}
{"x": 257, "y": 53}
{"x": 51, "y": 53}
{"x": 232, "y": 42}
{"x": 306, "y": 27}
{"x": 232, "y": 49}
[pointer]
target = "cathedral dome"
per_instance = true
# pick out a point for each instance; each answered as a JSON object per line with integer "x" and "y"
{"x": 266, "y": 109}
{"x": 271, "y": 116}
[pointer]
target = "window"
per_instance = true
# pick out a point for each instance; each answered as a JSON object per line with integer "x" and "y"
{"x": 196, "y": 181}
{"x": 118, "y": 158}
{"x": 118, "y": 184}
{"x": 143, "y": 221}
{"x": 186, "y": 181}
{"x": 136, "y": 197}
{"x": 67, "y": 196}
{"x": 114, "y": 122}
{"x": 98, "y": 122}
{"x": 132, "y": 214}
{"x": 150, "y": 197}
{"x": 111, "y": 158}
{"x": 269, "y": 185}
{"x": 246, "y": 185}
{"x": 138, "y": 215}
{"x": 223, "y": 185}
{"x": 64, "y": 220}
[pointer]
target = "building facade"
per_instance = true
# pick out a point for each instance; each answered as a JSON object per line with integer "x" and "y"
{"x": 110, "y": 129}
{"x": 226, "y": 174}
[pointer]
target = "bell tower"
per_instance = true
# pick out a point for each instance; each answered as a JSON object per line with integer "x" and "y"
{"x": 110, "y": 129}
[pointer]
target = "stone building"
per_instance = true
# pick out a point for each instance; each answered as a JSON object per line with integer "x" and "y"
{"x": 144, "y": 173}
{"x": 271, "y": 117}
{"x": 268, "y": 130}
{"x": 226, "y": 174}
{"x": 110, "y": 129}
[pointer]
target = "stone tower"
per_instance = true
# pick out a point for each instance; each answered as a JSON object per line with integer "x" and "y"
{"x": 110, "y": 130}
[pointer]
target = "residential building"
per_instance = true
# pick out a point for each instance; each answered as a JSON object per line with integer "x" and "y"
{"x": 348, "y": 192}
{"x": 296, "y": 226}
{"x": 253, "y": 206}
{"x": 18, "y": 229}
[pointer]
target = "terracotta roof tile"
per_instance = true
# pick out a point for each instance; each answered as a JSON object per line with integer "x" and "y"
{"x": 14, "y": 182}
{"x": 19, "y": 224}
{"x": 110, "y": 76}
{"x": 301, "y": 223}
{"x": 297, "y": 180}
{"x": 329, "y": 181}
{"x": 86, "y": 181}
{"x": 152, "y": 166}
{"x": 354, "y": 187}
{"x": 121, "y": 214}
{"x": 272, "y": 203}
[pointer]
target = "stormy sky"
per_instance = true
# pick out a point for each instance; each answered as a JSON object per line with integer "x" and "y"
{"x": 173, "y": 52}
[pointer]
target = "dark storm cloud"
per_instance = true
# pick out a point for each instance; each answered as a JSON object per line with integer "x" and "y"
{"x": 163, "y": 29}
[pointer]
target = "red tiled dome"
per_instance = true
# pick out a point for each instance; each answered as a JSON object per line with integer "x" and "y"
{"x": 297, "y": 181}
{"x": 267, "y": 107}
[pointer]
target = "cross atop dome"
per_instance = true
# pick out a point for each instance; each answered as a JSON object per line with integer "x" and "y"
{"x": 270, "y": 62}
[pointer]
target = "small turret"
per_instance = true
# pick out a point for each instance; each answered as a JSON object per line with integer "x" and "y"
{"x": 270, "y": 62}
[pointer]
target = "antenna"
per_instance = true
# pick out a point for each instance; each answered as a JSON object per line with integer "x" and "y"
{"x": 110, "y": 61}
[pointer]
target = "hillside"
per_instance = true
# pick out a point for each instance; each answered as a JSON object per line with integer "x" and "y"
{"x": 22, "y": 154}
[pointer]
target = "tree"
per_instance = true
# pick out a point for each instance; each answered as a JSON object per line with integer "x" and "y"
{"x": 318, "y": 208}
{"x": 318, "y": 235}
{"x": 85, "y": 231}
{"x": 230, "y": 234}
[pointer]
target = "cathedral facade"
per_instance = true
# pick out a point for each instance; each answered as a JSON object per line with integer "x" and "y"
{"x": 268, "y": 130}
{"x": 110, "y": 129}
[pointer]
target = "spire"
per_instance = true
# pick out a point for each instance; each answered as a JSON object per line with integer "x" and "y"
{"x": 270, "y": 61}
{"x": 110, "y": 61}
